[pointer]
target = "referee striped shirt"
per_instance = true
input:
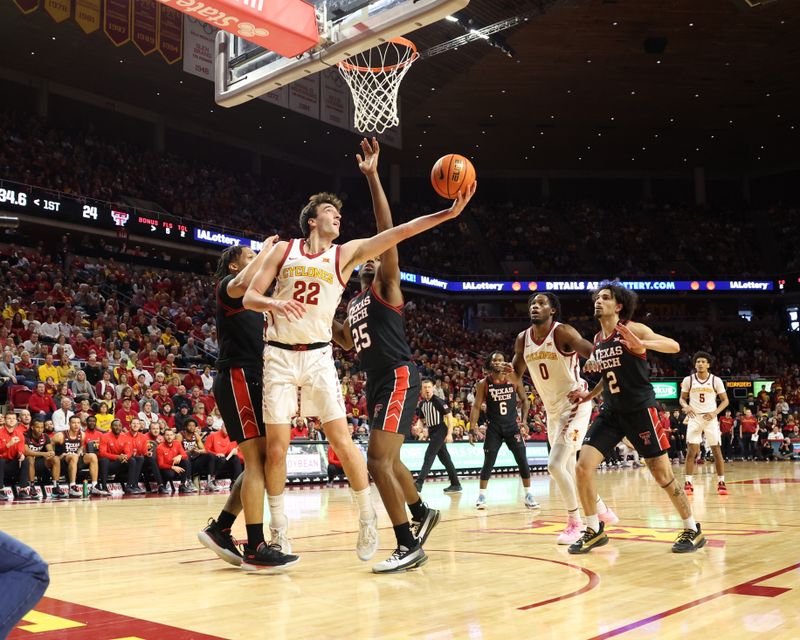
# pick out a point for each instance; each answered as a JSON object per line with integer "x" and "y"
{"x": 433, "y": 411}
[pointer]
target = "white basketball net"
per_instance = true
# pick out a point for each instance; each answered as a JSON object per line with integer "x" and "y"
{"x": 374, "y": 77}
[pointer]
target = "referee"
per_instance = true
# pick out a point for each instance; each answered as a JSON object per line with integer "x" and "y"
{"x": 437, "y": 416}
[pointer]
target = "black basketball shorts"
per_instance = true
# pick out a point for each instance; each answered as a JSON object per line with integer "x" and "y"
{"x": 641, "y": 427}
{"x": 392, "y": 400}
{"x": 238, "y": 395}
{"x": 497, "y": 435}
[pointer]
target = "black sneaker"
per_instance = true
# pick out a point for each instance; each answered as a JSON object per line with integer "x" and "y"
{"x": 24, "y": 494}
{"x": 402, "y": 559}
{"x": 689, "y": 540}
{"x": 423, "y": 528}
{"x": 589, "y": 540}
{"x": 453, "y": 488}
{"x": 59, "y": 493}
{"x": 220, "y": 542}
{"x": 266, "y": 556}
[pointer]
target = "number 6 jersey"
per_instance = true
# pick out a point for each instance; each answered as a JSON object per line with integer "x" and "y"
{"x": 314, "y": 280}
{"x": 379, "y": 334}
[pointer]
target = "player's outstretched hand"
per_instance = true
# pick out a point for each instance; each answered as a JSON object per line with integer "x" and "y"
{"x": 630, "y": 339}
{"x": 289, "y": 309}
{"x": 368, "y": 164}
{"x": 269, "y": 242}
{"x": 462, "y": 199}
{"x": 578, "y": 396}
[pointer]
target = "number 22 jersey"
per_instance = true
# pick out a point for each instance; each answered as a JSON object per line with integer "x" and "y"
{"x": 314, "y": 280}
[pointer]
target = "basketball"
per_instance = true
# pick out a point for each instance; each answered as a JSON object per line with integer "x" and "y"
{"x": 452, "y": 173}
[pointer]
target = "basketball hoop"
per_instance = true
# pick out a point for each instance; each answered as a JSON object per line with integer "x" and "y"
{"x": 374, "y": 78}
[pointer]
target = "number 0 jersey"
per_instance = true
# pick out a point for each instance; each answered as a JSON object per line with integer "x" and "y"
{"x": 626, "y": 375}
{"x": 314, "y": 280}
{"x": 379, "y": 333}
{"x": 554, "y": 373}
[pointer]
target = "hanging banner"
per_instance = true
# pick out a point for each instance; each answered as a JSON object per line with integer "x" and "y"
{"x": 335, "y": 108}
{"x": 87, "y": 15}
{"x": 117, "y": 21}
{"x": 278, "y": 96}
{"x": 27, "y": 6}
{"x": 170, "y": 34}
{"x": 58, "y": 10}
{"x": 198, "y": 48}
{"x": 144, "y": 25}
{"x": 304, "y": 96}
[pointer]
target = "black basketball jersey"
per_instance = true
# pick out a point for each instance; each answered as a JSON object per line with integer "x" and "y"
{"x": 379, "y": 333}
{"x": 35, "y": 444}
{"x": 239, "y": 331}
{"x": 501, "y": 403}
{"x": 189, "y": 441}
{"x": 70, "y": 445}
{"x": 626, "y": 375}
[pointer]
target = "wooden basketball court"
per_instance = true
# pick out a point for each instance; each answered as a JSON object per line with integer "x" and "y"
{"x": 132, "y": 568}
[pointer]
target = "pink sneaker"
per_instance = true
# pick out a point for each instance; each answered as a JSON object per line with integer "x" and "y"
{"x": 571, "y": 534}
{"x": 609, "y": 518}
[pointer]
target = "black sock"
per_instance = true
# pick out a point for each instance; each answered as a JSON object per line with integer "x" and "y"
{"x": 225, "y": 520}
{"x": 418, "y": 510}
{"x": 255, "y": 534}
{"x": 404, "y": 536}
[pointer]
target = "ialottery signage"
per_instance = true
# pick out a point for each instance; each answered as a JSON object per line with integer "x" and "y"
{"x": 665, "y": 390}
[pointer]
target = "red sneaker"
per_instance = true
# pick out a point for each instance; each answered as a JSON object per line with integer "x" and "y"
{"x": 688, "y": 488}
{"x": 722, "y": 489}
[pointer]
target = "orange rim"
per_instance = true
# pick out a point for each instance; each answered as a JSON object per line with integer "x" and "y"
{"x": 347, "y": 66}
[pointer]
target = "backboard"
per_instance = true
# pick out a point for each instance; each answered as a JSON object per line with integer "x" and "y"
{"x": 243, "y": 71}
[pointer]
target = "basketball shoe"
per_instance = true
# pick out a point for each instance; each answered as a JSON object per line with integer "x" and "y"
{"x": 280, "y": 537}
{"x": 220, "y": 542}
{"x": 266, "y": 556}
{"x": 688, "y": 488}
{"x": 422, "y": 528}
{"x": 402, "y": 559}
{"x": 571, "y": 534}
{"x": 530, "y": 501}
{"x": 453, "y": 488}
{"x": 75, "y": 491}
{"x": 689, "y": 540}
{"x": 721, "y": 488}
{"x": 481, "y": 502}
{"x": 608, "y": 517}
{"x": 367, "y": 543}
{"x": 589, "y": 540}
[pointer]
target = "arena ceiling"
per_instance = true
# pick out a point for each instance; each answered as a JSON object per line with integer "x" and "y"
{"x": 581, "y": 92}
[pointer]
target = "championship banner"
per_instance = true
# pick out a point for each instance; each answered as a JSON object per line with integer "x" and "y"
{"x": 335, "y": 108}
{"x": 198, "y": 47}
{"x": 117, "y": 21}
{"x": 145, "y": 25}
{"x": 58, "y": 10}
{"x": 287, "y": 27}
{"x": 304, "y": 96}
{"x": 27, "y": 6}
{"x": 170, "y": 34}
{"x": 87, "y": 15}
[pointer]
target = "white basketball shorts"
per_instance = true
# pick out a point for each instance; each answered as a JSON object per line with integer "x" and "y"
{"x": 568, "y": 424}
{"x": 313, "y": 372}
{"x": 697, "y": 426}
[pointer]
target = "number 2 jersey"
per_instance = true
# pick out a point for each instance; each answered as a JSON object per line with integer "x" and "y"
{"x": 626, "y": 376}
{"x": 314, "y": 280}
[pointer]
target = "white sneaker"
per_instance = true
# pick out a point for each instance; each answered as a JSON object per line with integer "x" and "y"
{"x": 609, "y": 518}
{"x": 367, "y": 543}
{"x": 481, "y": 503}
{"x": 572, "y": 533}
{"x": 280, "y": 537}
{"x": 402, "y": 559}
{"x": 530, "y": 501}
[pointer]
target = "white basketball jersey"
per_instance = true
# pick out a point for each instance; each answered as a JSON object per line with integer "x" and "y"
{"x": 554, "y": 373}
{"x": 702, "y": 395}
{"x": 314, "y": 280}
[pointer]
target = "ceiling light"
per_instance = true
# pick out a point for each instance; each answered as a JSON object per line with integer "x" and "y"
{"x": 450, "y": 19}
{"x": 53, "y": 38}
{"x": 614, "y": 24}
{"x": 658, "y": 61}
{"x": 633, "y": 93}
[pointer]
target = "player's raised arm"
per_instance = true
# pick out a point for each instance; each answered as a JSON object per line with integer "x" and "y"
{"x": 639, "y": 337}
{"x": 255, "y": 297}
{"x": 238, "y": 285}
{"x": 568, "y": 339}
{"x": 356, "y": 251}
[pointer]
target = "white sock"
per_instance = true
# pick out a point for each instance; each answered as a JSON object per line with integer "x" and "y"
{"x": 277, "y": 519}
{"x": 574, "y": 516}
{"x": 602, "y": 507}
{"x": 689, "y": 523}
{"x": 593, "y": 522}
{"x": 482, "y": 493}
{"x": 366, "y": 510}
{"x": 721, "y": 478}
{"x": 689, "y": 478}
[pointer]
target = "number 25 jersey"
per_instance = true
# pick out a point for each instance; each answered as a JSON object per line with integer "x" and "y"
{"x": 314, "y": 280}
